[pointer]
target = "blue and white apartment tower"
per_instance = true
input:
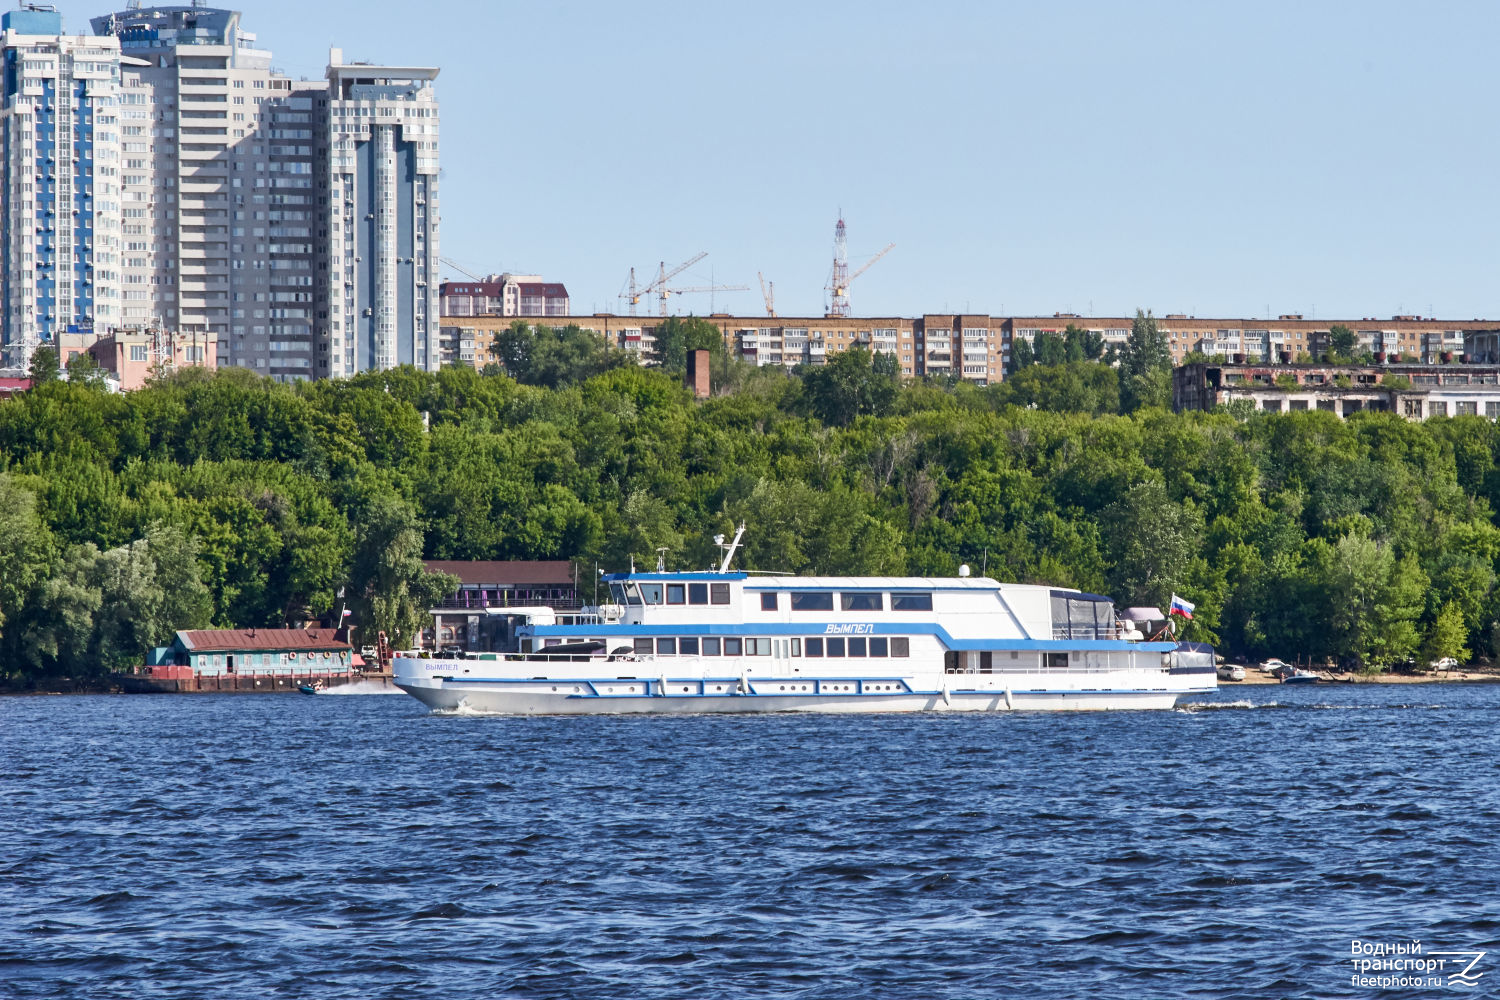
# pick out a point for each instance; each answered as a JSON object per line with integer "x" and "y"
{"x": 60, "y": 140}
{"x": 383, "y": 207}
{"x": 161, "y": 174}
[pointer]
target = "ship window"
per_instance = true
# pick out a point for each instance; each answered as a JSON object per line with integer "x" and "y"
{"x": 617, "y": 593}
{"x": 731, "y": 647}
{"x": 796, "y": 647}
{"x": 666, "y": 647}
{"x": 710, "y": 646}
{"x": 1057, "y": 661}
{"x": 643, "y": 647}
{"x": 858, "y": 646}
{"x": 863, "y": 602}
{"x": 688, "y": 645}
{"x": 632, "y": 594}
{"x": 880, "y": 647}
{"x": 718, "y": 593}
{"x": 911, "y": 602}
{"x": 816, "y": 601}
{"x": 651, "y": 592}
{"x": 835, "y": 647}
{"x": 814, "y": 647}
{"x": 762, "y": 646}
{"x": 900, "y": 646}
{"x": 768, "y": 602}
{"x": 697, "y": 593}
{"x": 676, "y": 593}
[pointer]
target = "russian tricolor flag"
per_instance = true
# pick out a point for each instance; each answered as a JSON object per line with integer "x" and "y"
{"x": 1180, "y": 607}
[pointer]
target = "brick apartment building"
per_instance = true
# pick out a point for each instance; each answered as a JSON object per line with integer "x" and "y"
{"x": 977, "y": 347}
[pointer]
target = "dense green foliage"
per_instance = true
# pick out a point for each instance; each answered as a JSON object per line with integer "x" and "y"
{"x": 226, "y": 499}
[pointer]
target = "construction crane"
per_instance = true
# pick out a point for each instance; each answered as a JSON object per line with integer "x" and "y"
{"x": 461, "y": 270}
{"x": 840, "y": 280}
{"x": 768, "y": 292}
{"x": 658, "y": 286}
{"x": 702, "y": 288}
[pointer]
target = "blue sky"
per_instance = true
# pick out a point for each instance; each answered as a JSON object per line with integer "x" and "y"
{"x": 1332, "y": 159}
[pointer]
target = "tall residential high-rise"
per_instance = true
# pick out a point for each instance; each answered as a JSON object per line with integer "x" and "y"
{"x": 59, "y": 135}
{"x": 222, "y": 189}
{"x": 220, "y": 215}
{"x": 383, "y": 207}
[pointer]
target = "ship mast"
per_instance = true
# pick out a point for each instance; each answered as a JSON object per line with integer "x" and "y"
{"x": 730, "y": 548}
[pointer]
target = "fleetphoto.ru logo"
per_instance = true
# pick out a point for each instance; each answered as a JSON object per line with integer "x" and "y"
{"x": 1405, "y": 964}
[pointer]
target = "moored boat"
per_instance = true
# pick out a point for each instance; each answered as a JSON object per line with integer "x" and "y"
{"x": 723, "y": 641}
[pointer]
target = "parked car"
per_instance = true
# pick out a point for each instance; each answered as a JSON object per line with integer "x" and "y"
{"x": 1446, "y": 663}
{"x": 1231, "y": 672}
{"x": 1277, "y": 668}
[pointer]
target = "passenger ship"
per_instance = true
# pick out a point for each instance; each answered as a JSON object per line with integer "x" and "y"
{"x": 726, "y": 641}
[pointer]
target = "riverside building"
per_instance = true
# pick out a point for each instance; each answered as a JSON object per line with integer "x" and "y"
{"x": 214, "y": 198}
{"x": 1415, "y": 391}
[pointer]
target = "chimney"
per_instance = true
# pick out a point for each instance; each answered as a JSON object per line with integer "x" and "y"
{"x": 697, "y": 373}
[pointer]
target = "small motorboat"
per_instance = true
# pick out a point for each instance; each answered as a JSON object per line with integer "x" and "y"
{"x": 1300, "y": 676}
{"x": 314, "y": 688}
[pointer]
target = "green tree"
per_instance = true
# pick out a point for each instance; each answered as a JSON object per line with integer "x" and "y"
{"x": 554, "y": 358}
{"x": 26, "y": 543}
{"x": 1049, "y": 348}
{"x": 1083, "y": 345}
{"x": 852, "y": 383}
{"x": 1448, "y": 636}
{"x": 677, "y": 335}
{"x": 44, "y": 366}
{"x": 391, "y": 589}
{"x": 1145, "y": 366}
{"x": 1373, "y": 601}
{"x": 1022, "y": 355}
{"x": 1075, "y": 387}
{"x": 1341, "y": 341}
{"x": 1151, "y": 541}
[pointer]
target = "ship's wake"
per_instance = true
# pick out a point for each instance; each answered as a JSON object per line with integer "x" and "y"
{"x": 363, "y": 687}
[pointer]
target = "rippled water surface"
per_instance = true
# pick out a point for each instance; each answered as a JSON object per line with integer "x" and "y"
{"x": 286, "y": 846}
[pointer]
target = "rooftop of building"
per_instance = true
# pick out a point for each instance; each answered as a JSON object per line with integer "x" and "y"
{"x": 513, "y": 572}
{"x": 227, "y": 640}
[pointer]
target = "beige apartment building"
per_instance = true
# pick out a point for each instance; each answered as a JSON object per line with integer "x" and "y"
{"x": 969, "y": 346}
{"x": 977, "y": 347}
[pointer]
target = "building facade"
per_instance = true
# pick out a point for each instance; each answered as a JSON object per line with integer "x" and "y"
{"x": 963, "y": 345}
{"x": 221, "y": 209}
{"x": 977, "y": 347}
{"x": 475, "y": 616}
{"x": 382, "y": 250}
{"x": 1415, "y": 391}
{"x": 292, "y": 222}
{"x": 60, "y": 140}
{"x": 505, "y": 295}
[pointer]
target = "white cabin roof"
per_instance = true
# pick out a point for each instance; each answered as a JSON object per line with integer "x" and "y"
{"x": 889, "y": 583}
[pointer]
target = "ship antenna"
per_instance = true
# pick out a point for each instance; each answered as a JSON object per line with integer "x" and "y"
{"x": 661, "y": 559}
{"x": 730, "y": 548}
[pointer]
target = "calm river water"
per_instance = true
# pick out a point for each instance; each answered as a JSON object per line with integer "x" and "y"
{"x": 286, "y": 846}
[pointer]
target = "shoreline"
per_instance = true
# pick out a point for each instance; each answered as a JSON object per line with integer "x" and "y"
{"x": 1254, "y": 676}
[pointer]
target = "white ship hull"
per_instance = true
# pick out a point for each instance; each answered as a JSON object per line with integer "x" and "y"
{"x": 444, "y": 685}
{"x": 719, "y": 641}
